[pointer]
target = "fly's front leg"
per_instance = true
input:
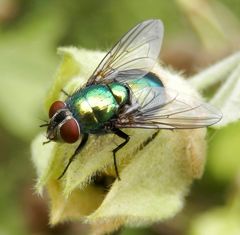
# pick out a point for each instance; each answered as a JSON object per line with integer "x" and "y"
{"x": 126, "y": 138}
{"x": 77, "y": 151}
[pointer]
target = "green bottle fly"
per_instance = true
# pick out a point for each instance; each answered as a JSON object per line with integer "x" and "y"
{"x": 123, "y": 93}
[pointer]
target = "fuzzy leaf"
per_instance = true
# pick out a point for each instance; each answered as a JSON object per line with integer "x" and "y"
{"x": 227, "y": 97}
{"x": 215, "y": 73}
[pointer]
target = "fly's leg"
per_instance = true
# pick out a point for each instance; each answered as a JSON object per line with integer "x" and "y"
{"x": 126, "y": 138}
{"x": 77, "y": 151}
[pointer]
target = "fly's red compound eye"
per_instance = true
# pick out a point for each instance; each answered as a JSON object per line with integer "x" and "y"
{"x": 55, "y": 107}
{"x": 69, "y": 131}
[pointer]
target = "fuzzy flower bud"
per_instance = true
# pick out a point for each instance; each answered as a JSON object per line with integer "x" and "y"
{"x": 156, "y": 166}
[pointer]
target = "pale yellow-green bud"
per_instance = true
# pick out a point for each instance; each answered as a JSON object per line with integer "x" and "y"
{"x": 156, "y": 166}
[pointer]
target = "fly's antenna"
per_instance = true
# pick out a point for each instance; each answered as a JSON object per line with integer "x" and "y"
{"x": 46, "y": 142}
{"x": 43, "y": 125}
{"x": 65, "y": 93}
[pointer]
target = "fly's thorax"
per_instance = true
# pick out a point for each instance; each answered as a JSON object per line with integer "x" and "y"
{"x": 95, "y": 105}
{"x": 120, "y": 93}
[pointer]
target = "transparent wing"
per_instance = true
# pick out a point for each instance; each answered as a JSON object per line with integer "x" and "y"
{"x": 157, "y": 107}
{"x": 133, "y": 56}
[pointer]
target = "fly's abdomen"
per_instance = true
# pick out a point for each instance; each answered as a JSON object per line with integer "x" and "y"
{"x": 148, "y": 80}
{"x": 96, "y": 105}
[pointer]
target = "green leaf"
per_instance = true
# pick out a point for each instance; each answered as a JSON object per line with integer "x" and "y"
{"x": 220, "y": 220}
{"x": 26, "y": 64}
{"x": 223, "y": 153}
{"x": 215, "y": 32}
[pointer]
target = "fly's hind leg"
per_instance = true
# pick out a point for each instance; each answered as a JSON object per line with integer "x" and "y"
{"x": 126, "y": 138}
{"x": 77, "y": 151}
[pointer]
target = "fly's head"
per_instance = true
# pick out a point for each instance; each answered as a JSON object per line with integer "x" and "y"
{"x": 62, "y": 125}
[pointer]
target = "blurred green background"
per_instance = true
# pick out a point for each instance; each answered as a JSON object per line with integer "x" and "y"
{"x": 197, "y": 33}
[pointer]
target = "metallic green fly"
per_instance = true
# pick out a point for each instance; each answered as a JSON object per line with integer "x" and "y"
{"x": 123, "y": 93}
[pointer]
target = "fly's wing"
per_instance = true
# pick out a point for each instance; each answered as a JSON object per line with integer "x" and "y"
{"x": 133, "y": 56}
{"x": 157, "y": 107}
